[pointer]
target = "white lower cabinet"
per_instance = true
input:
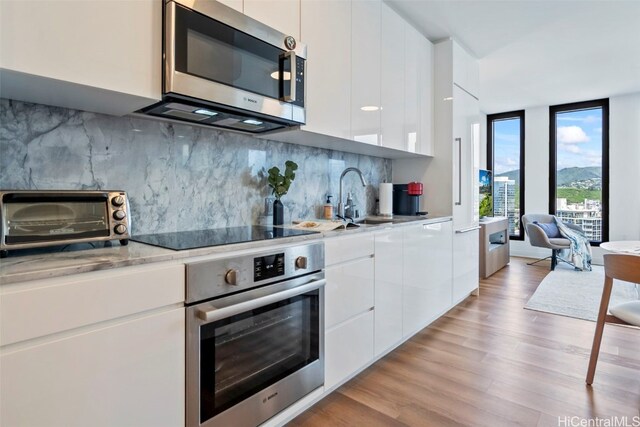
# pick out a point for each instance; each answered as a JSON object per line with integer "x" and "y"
{"x": 466, "y": 268}
{"x": 104, "y": 348}
{"x": 427, "y": 274}
{"x": 349, "y": 302}
{"x": 348, "y": 348}
{"x": 349, "y": 290}
{"x": 388, "y": 289}
{"x": 125, "y": 374}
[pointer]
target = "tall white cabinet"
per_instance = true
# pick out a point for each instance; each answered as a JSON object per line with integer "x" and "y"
{"x": 458, "y": 133}
{"x": 450, "y": 177}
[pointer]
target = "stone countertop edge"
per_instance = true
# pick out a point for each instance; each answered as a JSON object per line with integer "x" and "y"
{"x": 43, "y": 266}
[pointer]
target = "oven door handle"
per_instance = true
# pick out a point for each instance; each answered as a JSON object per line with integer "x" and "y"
{"x": 213, "y": 314}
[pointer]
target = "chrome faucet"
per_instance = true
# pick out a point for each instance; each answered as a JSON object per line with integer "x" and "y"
{"x": 341, "y": 206}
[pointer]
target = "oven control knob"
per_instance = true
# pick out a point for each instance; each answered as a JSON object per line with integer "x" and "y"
{"x": 119, "y": 215}
{"x": 231, "y": 277}
{"x": 301, "y": 262}
{"x": 117, "y": 201}
{"x": 120, "y": 229}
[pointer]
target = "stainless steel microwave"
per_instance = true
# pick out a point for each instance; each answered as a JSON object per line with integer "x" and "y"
{"x": 225, "y": 69}
{"x": 33, "y": 218}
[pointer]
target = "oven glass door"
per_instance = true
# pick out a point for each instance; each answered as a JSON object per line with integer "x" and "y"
{"x": 211, "y": 50}
{"x": 45, "y": 220}
{"x": 243, "y": 354}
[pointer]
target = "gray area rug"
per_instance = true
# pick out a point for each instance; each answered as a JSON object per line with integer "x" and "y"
{"x": 577, "y": 293}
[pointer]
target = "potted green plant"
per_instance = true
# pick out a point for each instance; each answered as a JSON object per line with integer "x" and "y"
{"x": 280, "y": 184}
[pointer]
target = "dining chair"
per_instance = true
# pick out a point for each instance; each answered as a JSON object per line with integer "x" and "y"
{"x": 619, "y": 267}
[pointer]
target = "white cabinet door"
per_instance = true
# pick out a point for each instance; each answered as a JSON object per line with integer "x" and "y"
{"x": 466, "y": 124}
{"x": 102, "y": 56}
{"x": 349, "y": 290}
{"x": 466, "y": 72}
{"x": 365, "y": 71}
{"x": 427, "y": 269}
{"x": 126, "y": 374}
{"x": 235, "y": 4}
{"x": 348, "y": 348}
{"x": 392, "y": 79}
{"x": 388, "y": 289}
{"x": 425, "y": 97}
{"x": 411, "y": 99}
{"x": 465, "y": 264}
{"x": 326, "y": 29}
{"x": 283, "y": 15}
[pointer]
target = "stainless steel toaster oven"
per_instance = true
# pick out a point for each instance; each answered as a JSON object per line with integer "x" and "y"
{"x": 34, "y": 218}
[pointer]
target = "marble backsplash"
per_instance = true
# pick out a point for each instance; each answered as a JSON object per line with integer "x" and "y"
{"x": 178, "y": 177}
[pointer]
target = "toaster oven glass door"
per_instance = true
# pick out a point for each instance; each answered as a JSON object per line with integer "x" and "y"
{"x": 29, "y": 222}
{"x": 211, "y": 50}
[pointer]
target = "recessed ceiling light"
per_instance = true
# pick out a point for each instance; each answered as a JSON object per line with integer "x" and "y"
{"x": 285, "y": 75}
{"x": 370, "y": 108}
{"x": 252, "y": 122}
{"x": 205, "y": 112}
{"x": 136, "y": 130}
{"x": 448, "y": 98}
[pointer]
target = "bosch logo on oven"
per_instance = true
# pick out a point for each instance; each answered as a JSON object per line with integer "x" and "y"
{"x": 253, "y": 101}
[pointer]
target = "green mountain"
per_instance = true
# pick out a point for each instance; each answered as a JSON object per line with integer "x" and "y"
{"x": 565, "y": 176}
{"x": 569, "y": 175}
{"x": 512, "y": 175}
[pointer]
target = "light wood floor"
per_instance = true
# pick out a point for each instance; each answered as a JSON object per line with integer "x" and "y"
{"x": 489, "y": 362}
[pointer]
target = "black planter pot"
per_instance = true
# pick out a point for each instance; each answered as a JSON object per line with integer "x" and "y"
{"x": 278, "y": 212}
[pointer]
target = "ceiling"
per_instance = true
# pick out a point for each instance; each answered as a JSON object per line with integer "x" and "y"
{"x": 539, "y": 52}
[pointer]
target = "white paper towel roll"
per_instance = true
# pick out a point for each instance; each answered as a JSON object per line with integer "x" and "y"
{"x": 386, "y": 199}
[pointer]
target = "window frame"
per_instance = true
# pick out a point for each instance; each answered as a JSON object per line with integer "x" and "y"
{"x": 519, "y": 114}
{"x": 553, "y": 158}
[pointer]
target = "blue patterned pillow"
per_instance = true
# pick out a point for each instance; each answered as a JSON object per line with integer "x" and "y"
{"x": 549, "y": 228}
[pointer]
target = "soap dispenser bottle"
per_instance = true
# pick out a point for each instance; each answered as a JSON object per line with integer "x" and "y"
{"x": 327, "y": 208}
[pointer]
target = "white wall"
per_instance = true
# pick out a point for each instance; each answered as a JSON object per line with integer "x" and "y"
{"x": 624, "y": 176}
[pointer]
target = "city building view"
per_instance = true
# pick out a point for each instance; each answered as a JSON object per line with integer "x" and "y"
{"x": 504, "y": 203}
{"x": 587, "y": 215}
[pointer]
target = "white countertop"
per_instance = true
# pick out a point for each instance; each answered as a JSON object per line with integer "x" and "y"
{"x": 19, "y": 268}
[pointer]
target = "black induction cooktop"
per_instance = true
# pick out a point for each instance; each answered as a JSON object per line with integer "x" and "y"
{"x": 183, "y": 240}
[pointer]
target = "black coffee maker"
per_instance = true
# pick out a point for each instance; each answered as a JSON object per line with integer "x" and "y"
{"x": 406, "y": 199}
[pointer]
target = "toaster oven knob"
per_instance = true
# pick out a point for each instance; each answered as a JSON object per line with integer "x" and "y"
{"x": 120, "y": 229}
{"x": 117, "y": 201}
{"x": 301, "y": 262}
{"x": 231, "y": 277}
{"x": 119, "y": 215}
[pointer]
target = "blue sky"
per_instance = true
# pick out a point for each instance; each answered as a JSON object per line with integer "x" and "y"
{"x": 579, "y": 135}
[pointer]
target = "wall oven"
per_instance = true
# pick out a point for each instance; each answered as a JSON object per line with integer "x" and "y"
{"x": 255, "y": 339}
{"x": 225, "y": 69}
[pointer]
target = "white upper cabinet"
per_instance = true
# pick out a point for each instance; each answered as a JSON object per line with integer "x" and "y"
{"x": 412, "y": 47}
{"x": 393, "y": 79}
{"x": 103, "y": 56}
{"x": 425, "y": 97}
{"x": 466, "y": 70}
{"x": 326, "y": 30}
{"x": 283, "y": 15}
{"x": 365, "y": 71}
{"x": 235, "y": 4}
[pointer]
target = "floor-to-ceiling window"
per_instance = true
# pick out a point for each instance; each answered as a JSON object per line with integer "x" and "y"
{"x": 505, "y": 157}
{"x": 579, "y": 166}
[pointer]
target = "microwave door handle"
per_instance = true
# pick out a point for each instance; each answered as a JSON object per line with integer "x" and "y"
{"x": 291, "y": 56}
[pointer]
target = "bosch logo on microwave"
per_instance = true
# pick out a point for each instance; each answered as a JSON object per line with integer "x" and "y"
{"x": 290, "y": 42}
{"x": 254, "y": 101}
